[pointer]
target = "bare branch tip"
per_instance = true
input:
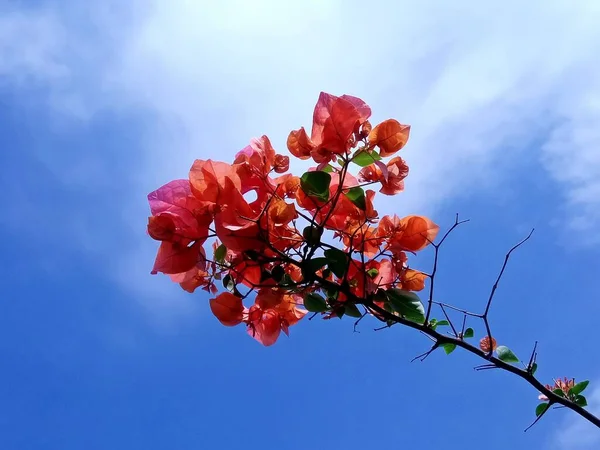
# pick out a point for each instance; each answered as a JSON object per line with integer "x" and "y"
{"x": 537, "y": 419}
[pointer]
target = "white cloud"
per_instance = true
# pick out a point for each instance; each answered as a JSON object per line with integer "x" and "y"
{"x": 479, "y": 84}
{"x": 32, "y": 47}
{"x": 578, "y": 434}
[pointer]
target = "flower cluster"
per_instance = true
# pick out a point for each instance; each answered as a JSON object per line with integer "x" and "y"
{"x": 265, "y": 227}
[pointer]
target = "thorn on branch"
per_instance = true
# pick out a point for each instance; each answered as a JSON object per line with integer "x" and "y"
{"x": 537, "y": 419}
{"x": 506, "y": 258}
{"x": 436, "y": 248}
{"x": 357, "y": 322}
{"x": 449, "y": 321}
{"x": 423, "y": 356}
{"x": 533, "y": 358}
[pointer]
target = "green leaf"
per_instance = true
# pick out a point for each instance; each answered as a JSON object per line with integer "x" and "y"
{"x": 316, "y": 184}
{"x": 559, "y": 392}
{"x": 357, "y": 196}
{"x": 578, "y": 388}
{"x": 286, "y": 280}
{"x": 541, "y": 409}
{"x": 328, "y": 168}
{"x": 406, "y": 303}
{"x": 315, "y": 303}
{"x": 332, "y": 293}
{"x": 449, "y": 348}
{"x": 351, "y": 310}
{"x": 505, "y": 354}
{"x": 580, "y": 400}
{"x": 364, "y": 159}
{"x": 533, "y": 368}
{"x": 229, "y": 283}
{"x": 340, "y": 161}
{"x": 434, "y": 323}
{"x": 469, "y": 333}
{"x": 337, "y": 261}
{"x": 312, "y": 235}
{"x": 372, "y": 273}
{"x": 315, "y": 264}
{"x": 220, "y": 253}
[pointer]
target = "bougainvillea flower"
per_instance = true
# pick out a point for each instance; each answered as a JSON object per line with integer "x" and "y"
{"x": 383, "y": 276}
{"x": 281, "y": 213}
{"x": 564, "y": 385}
{"x": 335, "y": 120}
{"x": 412, "y": 233}
{"x": 259, "y": 154}
{"x": 356, "y": 278}
{"x": 390, "y": 175}
{"x": 299, "y": 144}
{"x": 373, "y": 173}
{"x": 236, "y": 224}
{"x": 272, "y": 312}
{"x": 176, "y": 257}
{"x": 281, "y": 163}
{"x": 177, "y": 215}
{"x": 286, "y": 185}
{"x": 397, "y": 171}
{"x": 207, "y": 180}
{"x": 228, "y": 308}
{"x": 413, "y": 280}
{"x": 194, "y": 278}
{"x": 484, "y": 344}
{"x": 264, "y": 325}
{"x": 363, "y": 239}
{"x": 247, "y": 273}
{"x": 254, "y": 219}
{"x": 289, "y": 311}
{"x": 390, "y": 136}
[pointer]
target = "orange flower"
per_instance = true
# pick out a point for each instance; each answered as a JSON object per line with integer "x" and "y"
{"x": 413, "y": 280}
{"x": 259, "y": 155}
{"x": 228, "y": 308}
{"x": 299, "y": 144}
{"x": 281, "y": 163}
{"x": 272, "y": 312}
{"x": 397, "y": 171}
{"x": 207, "y": 179}
{"x": 390, "y": 136}
{"x": 484, "y": 344}
{"x": 564, "y": 385}
{"x": 257, "y": 245}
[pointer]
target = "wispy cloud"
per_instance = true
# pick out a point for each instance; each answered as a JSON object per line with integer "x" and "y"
{"x": 576, "y": 433}
{"x": 481, "y": 86}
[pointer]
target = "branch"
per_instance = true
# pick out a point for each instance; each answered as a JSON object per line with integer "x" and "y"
{"x": 495, "y": 286}
{"x": 435, "y": 264}
{"x": 441, "y": 339}
{"x": 444, "y": 339}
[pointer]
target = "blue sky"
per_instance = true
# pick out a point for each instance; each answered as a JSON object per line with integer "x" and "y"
{"x": 102, "y": 102}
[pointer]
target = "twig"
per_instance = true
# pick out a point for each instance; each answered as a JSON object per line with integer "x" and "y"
{"x": 435, "y": 264}
{"x": 537, "y": 419}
